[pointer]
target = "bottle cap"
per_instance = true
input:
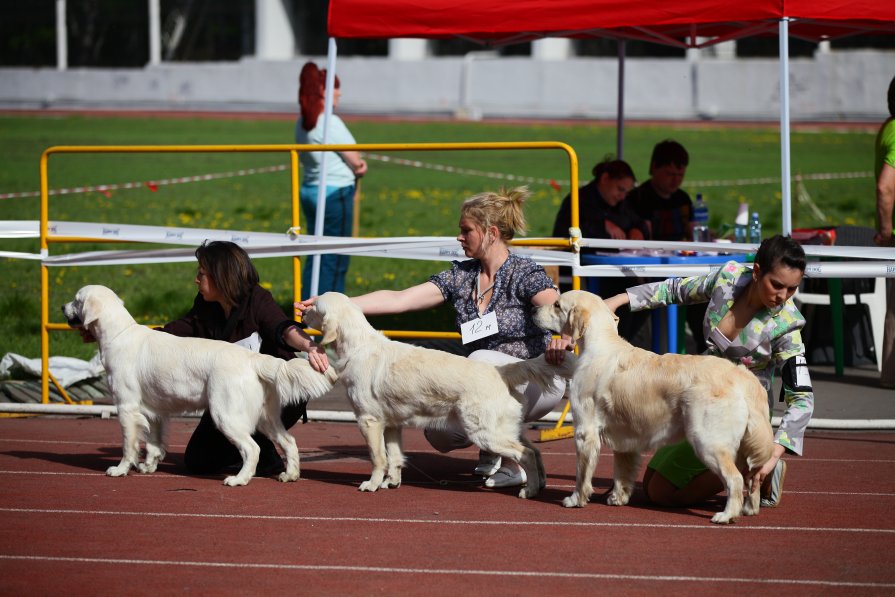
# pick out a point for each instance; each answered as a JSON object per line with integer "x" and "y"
{"x": 743, "y": 214}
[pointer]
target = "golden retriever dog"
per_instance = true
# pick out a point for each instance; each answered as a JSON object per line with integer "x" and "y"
{"x": 637, "y": 400}
{"x": 154, "y": 375}
{"x": 391, "y": 384}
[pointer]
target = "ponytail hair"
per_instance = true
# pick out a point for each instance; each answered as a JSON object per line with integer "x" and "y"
{"x": 502, "y": 209}
{"x": 311, "y": 89}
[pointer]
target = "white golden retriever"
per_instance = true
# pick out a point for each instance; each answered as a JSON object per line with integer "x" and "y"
{"x": 637, "y": 401}
{"x": 154, "y": 375}
{"x": 391, "y": 384}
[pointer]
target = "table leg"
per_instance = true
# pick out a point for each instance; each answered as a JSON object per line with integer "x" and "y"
{"x": 672, "y": 328}
{"x": 836, "y": 312}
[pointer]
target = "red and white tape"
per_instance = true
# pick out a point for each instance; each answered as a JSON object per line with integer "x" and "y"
{"x": 557, "y": 184}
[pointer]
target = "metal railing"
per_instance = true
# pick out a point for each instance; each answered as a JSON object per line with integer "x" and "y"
{"x": 293, "y": 150}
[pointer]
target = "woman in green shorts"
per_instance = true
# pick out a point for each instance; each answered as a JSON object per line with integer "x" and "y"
{"x": 751, "y": 319}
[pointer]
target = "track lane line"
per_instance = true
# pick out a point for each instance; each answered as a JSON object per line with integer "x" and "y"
{"x": 451, "y": 571}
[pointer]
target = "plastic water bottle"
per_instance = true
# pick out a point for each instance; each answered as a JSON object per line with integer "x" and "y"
{"x": 741, "y": 225}
{"x": 700, "y": 221}
{"x": 755, "y": 228}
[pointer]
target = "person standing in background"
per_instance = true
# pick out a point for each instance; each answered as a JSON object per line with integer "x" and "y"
{"x": 884, "y": 168}
{"x": 342, "y": 173}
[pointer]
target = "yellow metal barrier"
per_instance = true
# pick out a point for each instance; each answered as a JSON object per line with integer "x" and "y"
{"x": 293, "y": 151}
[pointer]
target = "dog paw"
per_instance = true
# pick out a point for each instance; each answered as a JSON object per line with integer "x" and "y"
{"x": 147, "y": 468}
{"x": 723, "y": 518}
{"x": 572, "y": 502}
{"x": 748, "y": 510}
{"x": 390, "y": 483}
{"x": 527, "y": 492}
{"x": 117, "y": 471}
{"x": 617, "y": 499}
{"x": 235, "y": 481}
{"x": 368, "y": 486}
{"x": 287, "y": 477}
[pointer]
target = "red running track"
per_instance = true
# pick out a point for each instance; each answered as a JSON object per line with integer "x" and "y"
{"x": 66, "y": 527}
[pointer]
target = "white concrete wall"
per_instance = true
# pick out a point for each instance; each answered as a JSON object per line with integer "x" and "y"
{"x": 836, "y": 85}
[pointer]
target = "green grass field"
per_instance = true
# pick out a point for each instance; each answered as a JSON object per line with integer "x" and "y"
{"x": 398, "y": 200}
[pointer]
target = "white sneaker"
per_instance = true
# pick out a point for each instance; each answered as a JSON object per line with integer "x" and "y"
{"x": 488, "y": 464}
{"x": 507, "y": 477}
{"x": 772, "y": 490}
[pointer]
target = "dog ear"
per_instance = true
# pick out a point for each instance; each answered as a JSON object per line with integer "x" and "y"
{"x": 90, "y": 310}
{"x": 578, "y": 320}
{"x": 330, "y": 332}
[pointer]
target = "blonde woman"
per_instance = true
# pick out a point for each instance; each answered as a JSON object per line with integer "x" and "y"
{"x": 493, "y": 283}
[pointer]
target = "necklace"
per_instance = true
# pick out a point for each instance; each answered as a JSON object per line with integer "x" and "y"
{"x": 480, "y": 294}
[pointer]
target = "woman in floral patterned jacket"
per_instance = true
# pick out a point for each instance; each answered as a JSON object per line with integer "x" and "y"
{"x": 751, "y": 319}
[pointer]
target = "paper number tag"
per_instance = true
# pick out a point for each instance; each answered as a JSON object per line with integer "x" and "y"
{"x": 803, "y": 379}
{"x": 479, "y": 328}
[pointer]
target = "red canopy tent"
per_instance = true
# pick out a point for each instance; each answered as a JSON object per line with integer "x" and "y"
{"x": 499, "y": 22}
{"x": 688, "y": 24}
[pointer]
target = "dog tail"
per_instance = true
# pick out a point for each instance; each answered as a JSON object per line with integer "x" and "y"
{"x": 536, "y": 370}
{"x": 758, "y": 441}
{"x": 297, "y": 382}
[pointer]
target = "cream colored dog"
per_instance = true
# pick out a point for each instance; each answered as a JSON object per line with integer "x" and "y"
{"x": 154, "y": 375}
{"x": 391, "y": 384}
{"x": 637, "y": 401}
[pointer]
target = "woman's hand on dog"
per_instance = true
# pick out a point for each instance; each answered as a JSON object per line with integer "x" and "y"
{"x": 556, "y": 350}
{"x": 302, "y": 306}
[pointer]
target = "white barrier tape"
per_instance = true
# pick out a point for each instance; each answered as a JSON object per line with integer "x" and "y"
{"x": 266, "y": 244}
{"x": 440, "y": 249}
{"x": 152, "y": 185}
{"x": 839, "y": 269}
{"x": 643, "y": 248}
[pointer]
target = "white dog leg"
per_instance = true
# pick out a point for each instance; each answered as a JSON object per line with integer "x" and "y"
{"x": 373, "y": 431}
{"x": 250, "y": 452}
{"x": 155, "y": 445}
{"x": 587, "y": 448}
{"x": 278, "y": 434}
{"x": 130, "y": 430}
{"x": 752, "y": 503}
{"x": 626, "y": 467}
{"x": 722, "y": 464}
{"x": 395, "y": 455}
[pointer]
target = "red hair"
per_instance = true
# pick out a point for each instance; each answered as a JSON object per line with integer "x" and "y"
{"x": 311, "y": 88}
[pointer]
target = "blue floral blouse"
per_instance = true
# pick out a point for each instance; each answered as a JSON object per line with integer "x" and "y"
{"x": 763, "y": 346}
{"x": 516, "y": 282}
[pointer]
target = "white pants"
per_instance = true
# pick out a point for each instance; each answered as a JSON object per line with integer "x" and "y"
{"x": 537, "y": 402}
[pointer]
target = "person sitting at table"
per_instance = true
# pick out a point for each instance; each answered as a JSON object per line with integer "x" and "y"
{"x": 751, "y": 320}
{"x": 669, "y": 210}
{"x": 604, "y": 212}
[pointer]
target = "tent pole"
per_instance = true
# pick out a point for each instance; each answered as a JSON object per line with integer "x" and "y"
{"x": 785, "y": 176}
{"x": 321, "y": 182}
{"x": 620, "y": 117}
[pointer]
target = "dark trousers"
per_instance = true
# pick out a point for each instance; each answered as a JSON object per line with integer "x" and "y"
{"x": 209, "y": 451}
{"x": 695, "y": 317}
